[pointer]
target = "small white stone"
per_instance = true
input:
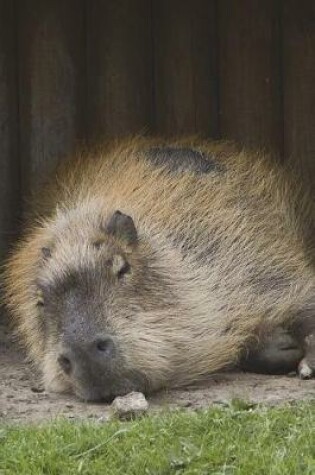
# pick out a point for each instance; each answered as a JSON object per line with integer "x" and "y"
{"x": 304, "y": 370}
{"x": 130, "y": 406}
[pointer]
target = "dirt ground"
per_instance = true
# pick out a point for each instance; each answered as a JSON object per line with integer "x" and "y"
{"x": 20, "y": 400}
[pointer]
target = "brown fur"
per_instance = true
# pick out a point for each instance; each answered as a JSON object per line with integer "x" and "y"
{"x": 231, "y": 248}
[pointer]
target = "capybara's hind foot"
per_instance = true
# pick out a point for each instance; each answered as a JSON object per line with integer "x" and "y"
{"x": 306, "y": 368}
{"x": 277, "y": 353}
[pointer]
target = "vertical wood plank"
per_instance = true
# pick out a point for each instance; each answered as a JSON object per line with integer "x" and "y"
{"x": 186, "y": 76}
{"x": 52, "y": 83}
{"x": 119, "y": 67}
{"x": 299, "y": 83}
{"x": 9, "y": 166}
{"x": 250, "y": 73}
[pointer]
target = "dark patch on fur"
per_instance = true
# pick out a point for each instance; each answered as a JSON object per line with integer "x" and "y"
{"x": 269, "y": 282}
{"x": 60, "y": 285}
{"x": 205, "y": 255}
{"x": 184, "y": 160}
{"x": 46, "y": 252}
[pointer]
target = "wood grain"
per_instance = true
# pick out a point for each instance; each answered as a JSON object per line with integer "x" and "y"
{"x": 185, "y": 67}
{"x": 299, "y": 84}
{"x": 119, "y": 67}
{"x": 52, "y": 84}
{"x": 250, "y": 73}
{"x": 9, "y": 165}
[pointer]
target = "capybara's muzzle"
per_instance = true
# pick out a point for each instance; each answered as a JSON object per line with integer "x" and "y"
{"x": 95, "y": 369}
{"x": 90, "y": 366}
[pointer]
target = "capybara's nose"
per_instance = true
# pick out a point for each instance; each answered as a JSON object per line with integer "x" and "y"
{"x": 99, "y": 351}
{"x": 103, "y": 346}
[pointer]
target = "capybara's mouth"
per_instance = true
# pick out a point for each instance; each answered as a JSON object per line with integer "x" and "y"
{"x": 100, "y": 397}
{"x": 93, "y": 393}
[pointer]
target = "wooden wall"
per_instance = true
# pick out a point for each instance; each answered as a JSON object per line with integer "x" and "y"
{"x": 76, "y": 70}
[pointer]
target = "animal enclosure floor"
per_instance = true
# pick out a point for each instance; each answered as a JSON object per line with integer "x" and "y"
{"x": 19, "y": 401}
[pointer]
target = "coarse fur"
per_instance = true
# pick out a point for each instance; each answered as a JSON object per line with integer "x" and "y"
{"x": 220, "y": 258}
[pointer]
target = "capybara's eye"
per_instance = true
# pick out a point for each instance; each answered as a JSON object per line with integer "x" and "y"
{"x": 120, "y": 266}
{"x": 40, "y": 299}
{"x": 40, "y": 303}
{"x": 98, "y": 244}
{"x": 124, "y": 270}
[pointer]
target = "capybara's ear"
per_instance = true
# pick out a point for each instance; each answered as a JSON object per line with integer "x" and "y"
{"x": 122, "y": 226}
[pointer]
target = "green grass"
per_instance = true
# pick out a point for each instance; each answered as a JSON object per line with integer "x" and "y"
{"x": 234, "y": 440}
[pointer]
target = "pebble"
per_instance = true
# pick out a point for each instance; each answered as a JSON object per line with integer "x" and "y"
{"x": 130, "y": 406}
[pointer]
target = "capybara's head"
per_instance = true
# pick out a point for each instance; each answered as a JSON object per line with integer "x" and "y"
{"x": 100, "y": 300}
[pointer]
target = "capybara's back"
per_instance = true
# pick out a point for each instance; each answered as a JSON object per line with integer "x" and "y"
{"x": 156, "y": 263}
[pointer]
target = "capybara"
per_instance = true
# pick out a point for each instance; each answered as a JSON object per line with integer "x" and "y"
{"x": 153, "y": 263}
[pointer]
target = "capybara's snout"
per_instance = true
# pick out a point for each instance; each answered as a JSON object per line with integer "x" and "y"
{"x": 90, "y": 366}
